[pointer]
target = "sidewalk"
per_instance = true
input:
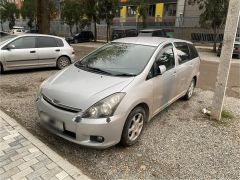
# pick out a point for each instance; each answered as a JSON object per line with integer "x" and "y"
{"x": 23, "y": 156}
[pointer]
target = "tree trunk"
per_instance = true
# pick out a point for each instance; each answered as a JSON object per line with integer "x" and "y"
{"x": 43, "y": 22}
{"x": 95, "y": 31}
{"x": 70, "y": 28}
{"x": 2, "y": 25}
{"x": 215, "y": 39}
{"x": 108, "y": 32}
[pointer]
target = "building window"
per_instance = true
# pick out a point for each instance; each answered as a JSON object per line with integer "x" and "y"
{"x": 170, "y": 9}
{"x": 152, "y": 10}
{"x": 131, "y": 11}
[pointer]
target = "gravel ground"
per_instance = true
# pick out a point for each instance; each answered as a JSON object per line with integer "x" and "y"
{"x": 178, "y": 143}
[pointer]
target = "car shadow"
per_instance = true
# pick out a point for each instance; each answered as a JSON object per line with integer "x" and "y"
{"x": 26, "y": 71}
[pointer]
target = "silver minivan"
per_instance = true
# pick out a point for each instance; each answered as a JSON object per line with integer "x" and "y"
{"x": 109, "y": 95}
{"x": 33, "y": 51}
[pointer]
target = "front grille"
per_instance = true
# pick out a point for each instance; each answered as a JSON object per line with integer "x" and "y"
{"x": 61, "y": 106}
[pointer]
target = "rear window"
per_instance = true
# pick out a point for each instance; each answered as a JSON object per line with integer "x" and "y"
{"x": 193, "y": 51}
{"x": 182, "y": 52}
{"x": 59, "y": 42}
{"x": 44, "y": 42}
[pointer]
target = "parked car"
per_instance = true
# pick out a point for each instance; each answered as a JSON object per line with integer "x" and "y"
{"x": 153, "y": 32}
{"x": 33, "y": 51}
{"x": 124, "y": 32}
{"x": 3, "y": 34}
{"x": 84, "y": 36}
{"x": 32, "y": 31}
{"x": 236, "y": 50}
{"x": 107, "y": 97}
{"x": 17, "y": 30}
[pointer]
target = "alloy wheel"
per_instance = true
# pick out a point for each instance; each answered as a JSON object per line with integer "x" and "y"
{"x": 135, "y": 127}
{"x": 63, "y": 62}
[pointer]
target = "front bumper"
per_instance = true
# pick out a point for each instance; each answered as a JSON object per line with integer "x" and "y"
{"x": 80, "y": 132}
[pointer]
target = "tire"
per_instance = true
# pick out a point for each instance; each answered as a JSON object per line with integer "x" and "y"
{"x": 63, "y": 62}
{"x": 75, "y": 41}
{"x": 1, "y": 69}
{"x": 131, "y": 133}
{"x": 190, "y": 90}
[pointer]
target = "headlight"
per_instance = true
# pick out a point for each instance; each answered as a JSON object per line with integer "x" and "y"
{"x": 40, "y": 88}
{"x": 105, "y": 107}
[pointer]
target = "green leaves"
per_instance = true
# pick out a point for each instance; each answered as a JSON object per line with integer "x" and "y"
{"x": 8, "y": 11}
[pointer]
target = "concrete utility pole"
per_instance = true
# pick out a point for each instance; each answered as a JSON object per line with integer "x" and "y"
{"x": 225, "y": 59}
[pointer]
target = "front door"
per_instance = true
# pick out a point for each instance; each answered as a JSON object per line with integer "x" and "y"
{"x": 164, "y": 84}
{"x": 23, "y": 55}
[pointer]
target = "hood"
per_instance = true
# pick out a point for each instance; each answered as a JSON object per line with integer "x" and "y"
{"x": 81, "y": 89}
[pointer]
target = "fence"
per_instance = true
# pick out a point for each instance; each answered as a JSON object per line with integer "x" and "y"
{"x": 187, "y": 28}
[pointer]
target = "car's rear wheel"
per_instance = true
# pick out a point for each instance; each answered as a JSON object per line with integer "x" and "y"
{"x": 133, "y": 126}
{"x": 63, "y": 62}
{"x": 190, "y": 90}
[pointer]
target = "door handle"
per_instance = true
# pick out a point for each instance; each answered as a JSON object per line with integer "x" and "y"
{"x": 57, "y": 50}
{"x": 32, "y": 51}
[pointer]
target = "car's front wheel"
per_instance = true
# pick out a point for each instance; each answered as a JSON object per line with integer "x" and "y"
{"x": 190, "y": 90}
{"x": 75, "y": 41}
{"x": 63, "y": 62}
{"x": 133, "y": 126}
{"x": 1, "y": 68}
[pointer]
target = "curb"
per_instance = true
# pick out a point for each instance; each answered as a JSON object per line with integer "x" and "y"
{"x": 61, "y": 162}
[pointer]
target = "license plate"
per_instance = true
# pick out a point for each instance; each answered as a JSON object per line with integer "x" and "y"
{"x": 51, "y": 122}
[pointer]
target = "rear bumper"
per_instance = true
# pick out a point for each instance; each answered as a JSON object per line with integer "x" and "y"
{"x": 80, "y": 132}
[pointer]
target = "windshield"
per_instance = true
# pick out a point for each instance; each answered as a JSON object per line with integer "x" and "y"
{"x": 6, "y": 38}
{"x": 119, "y": 59}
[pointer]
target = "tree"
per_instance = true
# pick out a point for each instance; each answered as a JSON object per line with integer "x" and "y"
{"x": 213, "y": 15}
{"x": 9, "y": 12}
{"x": 91, "y": 9}
{"x": 108, "y": 9}
{"x": 53, "y": 10}
{"x": 141, "y": 7}
{"x": 43, "y": 20}
{"x": 68, "y": 12}
{"x": 2, "y": 14}
{"x": 29, "y": 10}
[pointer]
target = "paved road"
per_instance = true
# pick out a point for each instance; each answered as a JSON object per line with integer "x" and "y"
{"x": 22, "y": 156}
{"x": 208, "y": 75}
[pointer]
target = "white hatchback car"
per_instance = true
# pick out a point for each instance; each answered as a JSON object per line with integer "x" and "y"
{"x": 33, "y": 51}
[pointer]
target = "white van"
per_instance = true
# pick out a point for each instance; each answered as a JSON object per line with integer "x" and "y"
{"x": 17, "y": 30}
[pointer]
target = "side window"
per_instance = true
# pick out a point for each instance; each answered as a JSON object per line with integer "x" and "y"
{"x": 44, "y": 42}
{"x": 24, "y": 43}
{"x": 193, "y": 51}
{"x": 155, "y": 34}
{"x": 182, "y": 52}
{"x": 59, "y": 42}
{"x": 166, "y": 57}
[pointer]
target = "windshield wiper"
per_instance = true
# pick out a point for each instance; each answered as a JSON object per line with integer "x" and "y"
{"x": 125, "y": 74}
{"x": 98, "y": 70}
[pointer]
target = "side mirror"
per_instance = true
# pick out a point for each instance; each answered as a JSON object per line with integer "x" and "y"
{"x": 162, "y": 69}
{"x": 11, "y": 46}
